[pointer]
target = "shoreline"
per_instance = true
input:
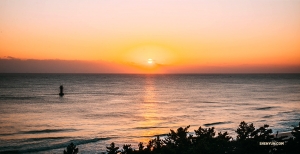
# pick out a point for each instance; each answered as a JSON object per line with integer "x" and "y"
{"x": 282, "y": 134}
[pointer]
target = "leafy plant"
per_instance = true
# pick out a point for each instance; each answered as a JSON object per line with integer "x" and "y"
{"x": 112, "y": 149}
{"x": 71, "y": 149}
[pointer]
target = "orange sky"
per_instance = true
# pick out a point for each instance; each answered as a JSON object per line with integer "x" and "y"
{"x": 178, "y": 35}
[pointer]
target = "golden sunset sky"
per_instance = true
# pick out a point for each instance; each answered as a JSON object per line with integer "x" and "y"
{"x": 179, "y": 36}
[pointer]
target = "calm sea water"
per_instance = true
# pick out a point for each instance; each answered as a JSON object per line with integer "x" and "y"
{"x": 98, "y": 109}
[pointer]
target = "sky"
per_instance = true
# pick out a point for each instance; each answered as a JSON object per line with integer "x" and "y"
{"x": 150, "y": 36}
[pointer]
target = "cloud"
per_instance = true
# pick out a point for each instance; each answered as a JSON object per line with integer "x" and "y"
{"x": 14, "y": 65}
{"x": 9, "y": 57}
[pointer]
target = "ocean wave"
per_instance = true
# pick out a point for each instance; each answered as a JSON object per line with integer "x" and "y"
{"x": 161, "y": 134}
{"x": 148, "y": 127}
{"x": 46, "y": 131}
{"x": 264, "y": 108}
{"x": 45, "y": 138}
{"x": 17, "y": 98}
{"x": 285, "y": 112}
{"x": 153, "y": 102}
{"x": 209, "y": 102}
{"x": 267, "y": 116}
{"x": 82, "y": 141}
{"x": 217, "y": 123}
{"x": 7, "y": 134}
{"x": 14, "y": 149}
{"x": 263, "y": 98}
{"x": 155, "y": 135}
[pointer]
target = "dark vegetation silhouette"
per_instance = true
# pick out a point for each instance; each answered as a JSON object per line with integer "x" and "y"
{"x": 71, "y": 149}
{"x": 112, "y": 149}
{"x": 206, "y": 141}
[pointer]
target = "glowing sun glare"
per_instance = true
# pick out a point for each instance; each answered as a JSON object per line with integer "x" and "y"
{"x": 150, "y": 61}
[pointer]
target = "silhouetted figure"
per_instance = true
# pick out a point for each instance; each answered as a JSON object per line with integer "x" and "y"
{"x": 61, "y": 93}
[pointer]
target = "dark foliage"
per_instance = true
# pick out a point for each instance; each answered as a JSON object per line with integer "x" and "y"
{"x": 71, "y": 149}
{"x": 141, "y": 146}
{"x": 248, "y": 139}
{"x": 179, "y": 141}
{"x": 206, "y": 141}
{"x": 293, "y": 144}
{"x": 127, "y": 149}
{"x": 112, "y": 149}
{"x": 244, "y": 131}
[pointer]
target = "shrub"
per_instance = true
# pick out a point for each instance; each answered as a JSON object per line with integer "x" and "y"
{"x": 112, "y": 149}
{"x": 71, "y": 149}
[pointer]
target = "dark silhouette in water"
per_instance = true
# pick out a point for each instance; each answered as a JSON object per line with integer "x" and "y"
{"x": 61, "y": 93}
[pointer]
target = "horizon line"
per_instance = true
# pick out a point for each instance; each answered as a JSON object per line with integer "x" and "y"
{"x": 157, "y": 73}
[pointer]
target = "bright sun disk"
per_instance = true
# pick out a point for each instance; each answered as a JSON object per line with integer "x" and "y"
{"x": 150, "y": 61}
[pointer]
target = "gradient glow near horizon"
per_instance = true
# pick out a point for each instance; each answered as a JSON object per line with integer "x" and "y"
{"x": 177, "y": 34}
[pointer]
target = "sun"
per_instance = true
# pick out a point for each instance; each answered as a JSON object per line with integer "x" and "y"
{"x": 150, "y": 61}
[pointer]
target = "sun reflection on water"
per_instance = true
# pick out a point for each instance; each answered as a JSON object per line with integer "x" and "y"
{"x": 149, "y": 110}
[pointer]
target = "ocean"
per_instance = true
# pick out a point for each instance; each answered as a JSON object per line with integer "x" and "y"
{"x": 98, "y": 109}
